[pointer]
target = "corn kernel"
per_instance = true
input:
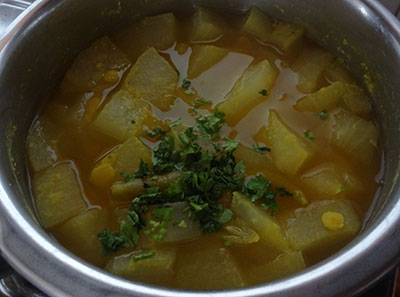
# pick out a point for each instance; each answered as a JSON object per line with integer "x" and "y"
{"x": 102, "y": 175}
{"x": 333, "y": 220}
{"x": 111, "y": 76}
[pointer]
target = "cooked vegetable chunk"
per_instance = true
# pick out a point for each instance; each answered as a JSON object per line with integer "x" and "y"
{"x": 42, "y": 145}
{"x": 337, "y": 71}
{"x": 154, "y": 31}
{"x": 355, "y": 136}
{"x": 204, "y": 57}
{"x": 253, "y": 160}
{"x": 352, "y": 184}
{"x": 310, "y": 66}
{"x": 181, "y": 228}
{"x": 128, "y": 155}
{"x": 155, "y": 266}
{"x": 239, "y": 233}
{"x": 207, "y": 26}
{"x": 124, "y": 159}
{"x": 124, "y": 116}
{"x": 287, "y": 36}
{"x": 208, "y": 268}
{"x": 93, "y": 68}
{"x": 128, "y": 190}
{"x": 58, "y": 195}
{"x": 284, "y": 265}
{"x": 80, "y": 233}
{"x": 269, "y": 230}
{"x": 152, "y": 78}
{"x": 324, "y": 181}
{"x": 307, "y": 230}
{"x": 355, "y": 100}
{"x": 326, "y": 98}
{"x": 288, "y": 150}
{"x": 257, "y": 24}
{"x": 247, "y": 91}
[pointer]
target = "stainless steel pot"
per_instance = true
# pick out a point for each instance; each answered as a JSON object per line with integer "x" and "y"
{"x": 42, "y": 42}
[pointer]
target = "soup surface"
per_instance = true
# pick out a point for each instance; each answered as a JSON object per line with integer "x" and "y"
{"x": 205, "y": 152}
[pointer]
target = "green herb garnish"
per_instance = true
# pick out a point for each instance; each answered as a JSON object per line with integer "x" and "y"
{"x": 199, "y": 103}
{"x": 205, "y": 175}
{"x": 323, "y": 114}
{"x": 127, "y": 177}
{"x": 281, "y": 191}
{"x": 308, "y": 134}
{"x": 143, "y": 256}
{"x": 262, "y": 149}
{"x": 263, "y": 92}
{"x": 186, "y": 84}
{"x": 143, "y": 171}
{"x": 211, "y": 124}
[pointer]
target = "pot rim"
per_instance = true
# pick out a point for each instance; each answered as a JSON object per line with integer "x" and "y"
{"x": 365, "y": 249}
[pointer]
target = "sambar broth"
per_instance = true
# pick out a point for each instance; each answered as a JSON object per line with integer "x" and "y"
{"x": 311, "y": 134}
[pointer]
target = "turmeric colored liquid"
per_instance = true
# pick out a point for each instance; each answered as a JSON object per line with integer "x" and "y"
{"x": 72, "y": 111}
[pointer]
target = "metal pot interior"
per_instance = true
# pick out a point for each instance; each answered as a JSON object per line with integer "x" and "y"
{"x": 36, "y": 58}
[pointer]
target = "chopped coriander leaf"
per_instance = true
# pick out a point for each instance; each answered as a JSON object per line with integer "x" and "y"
{"x": 262, "y": 149}
{"x": 198, "y": 207}
{"x": 111, "y": 242}
{"x": 189, "y": 93}
{"x": 129, "y": 229}
{"x": 143, "y": 256}
{"x": 180, "y": 223}
{"x": 165, "y": 157}
{"x": 226, "y": 216}
{"x": 227, "y": 243}
{"x": 239, "y": 169}
{"x": 342, "y": 188}
{"x": 160, "y": 133}
{"x": 199, "y": 103}
{"x": 281, "y": 191}
{"x": 323, "y": 114}
{"x": 211, "y": 124}
{"x": 308, "y": 134}
{"x": 270, "y": 205}
{"x": 157, "y": 132}
{"x": 127, "y": 236}
{"x": 263, "y": 92}
{"x": 127, "y": 176}
{"x": 133, "y": 122}
{"x": 186, "y": 84}
{"x": 143, "y": 171}
{"x": 164, "y": 213}
{"x": 204, "y": 177}
{"x": 188, "y": 137}
{"x": 258, "y": 188}
{"x": 157, "y": 230}
{"x": 230, "y": 145}
{"x": 175, "y": 123}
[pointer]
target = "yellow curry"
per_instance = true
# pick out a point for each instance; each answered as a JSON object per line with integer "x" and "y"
{"x": 205, "y": 152}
